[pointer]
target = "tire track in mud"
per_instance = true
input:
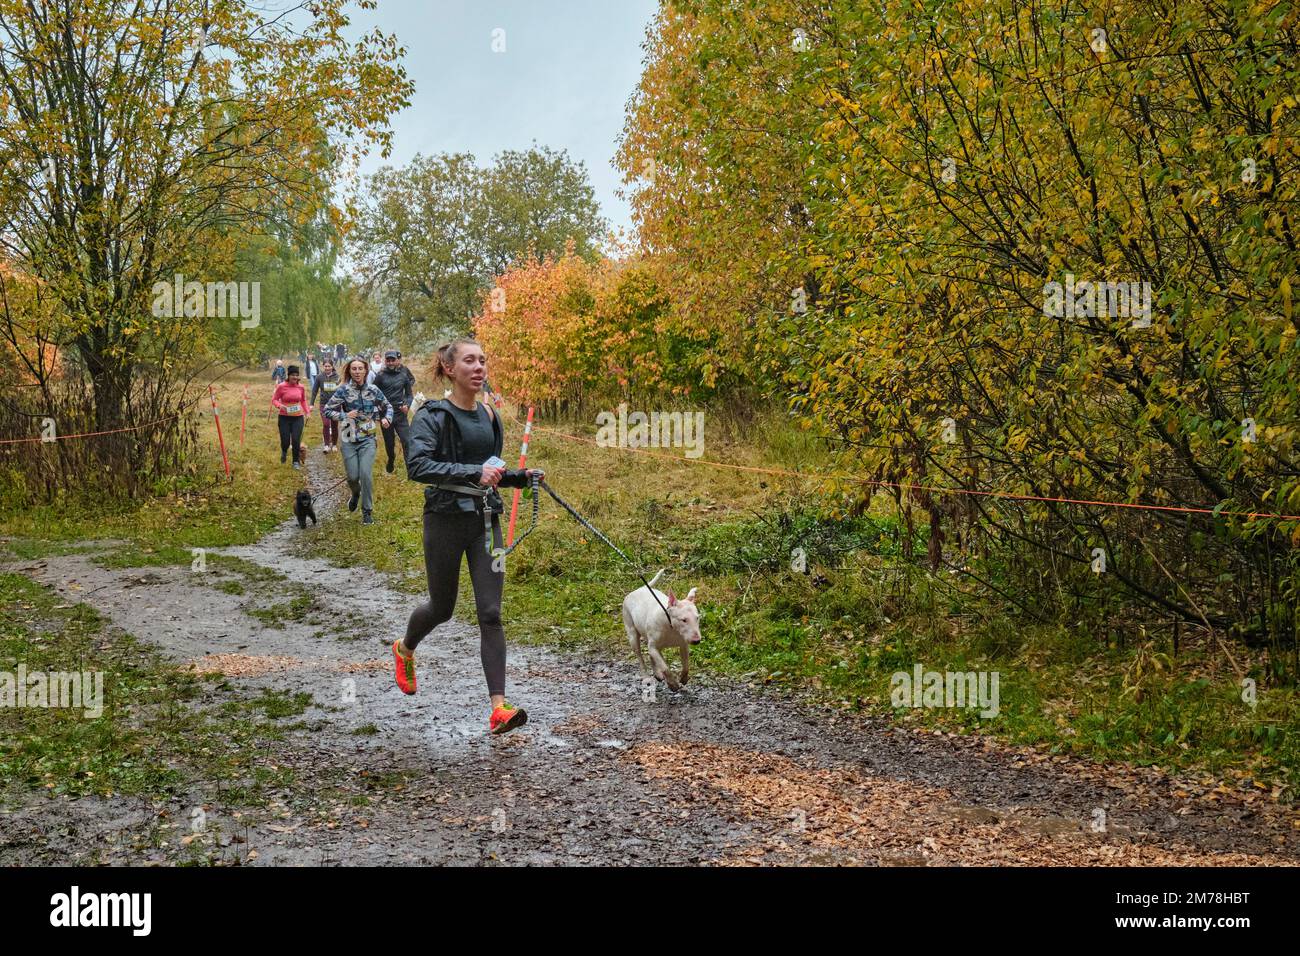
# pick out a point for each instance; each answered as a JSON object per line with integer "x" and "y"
{"x": 718, "y": 774}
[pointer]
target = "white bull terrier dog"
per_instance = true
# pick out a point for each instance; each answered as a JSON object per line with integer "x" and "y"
{"x": 644, "y": 619}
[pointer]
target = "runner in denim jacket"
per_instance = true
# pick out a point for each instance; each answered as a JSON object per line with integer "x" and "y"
{"x": 359, "y": 409}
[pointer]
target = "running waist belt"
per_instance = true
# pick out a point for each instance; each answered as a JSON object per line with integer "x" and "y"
{"x": 479, "y": 492}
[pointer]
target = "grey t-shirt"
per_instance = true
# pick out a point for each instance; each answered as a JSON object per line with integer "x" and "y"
{"x": 477, "y": 439}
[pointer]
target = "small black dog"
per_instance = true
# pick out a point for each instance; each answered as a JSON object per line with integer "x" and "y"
{"x": 303, "y": 508}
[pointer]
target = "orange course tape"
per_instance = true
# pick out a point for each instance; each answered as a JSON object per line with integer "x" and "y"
{"x": 1011, "y": 496}
{"x": 111, "y": 431}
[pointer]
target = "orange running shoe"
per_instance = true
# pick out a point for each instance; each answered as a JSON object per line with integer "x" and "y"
{"x": 506, "y": 718}
{"x": 405, "y": 668}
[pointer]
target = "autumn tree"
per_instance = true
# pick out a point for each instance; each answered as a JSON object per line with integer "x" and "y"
{"x": 539, "y": 202}
{"x": 432, "y": 235}
{"x": 980, "y": 186}
{"x": 712, "y": 153}
{"x": 138, "y": 137}
{"x": 301, "y": 299}
{"x": 566, "y": 333}
{"x": 418, "y": 242}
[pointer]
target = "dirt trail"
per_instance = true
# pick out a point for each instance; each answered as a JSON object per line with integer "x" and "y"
{"x": 718, "y": 774}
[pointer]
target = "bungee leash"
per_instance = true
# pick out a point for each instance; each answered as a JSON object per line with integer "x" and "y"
{"x": 590, "y": 527}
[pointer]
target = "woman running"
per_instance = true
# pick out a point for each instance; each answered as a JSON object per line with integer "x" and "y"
{"x": 357, "y": 406}
{"x": 451, "y": 440}
{"x": 325, "y": 385}
{"x": 290, "y": 398}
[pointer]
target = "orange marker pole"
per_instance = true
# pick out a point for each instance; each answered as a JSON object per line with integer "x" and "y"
{"x": 216, "y": 417}
{"x": 523, "y": 457}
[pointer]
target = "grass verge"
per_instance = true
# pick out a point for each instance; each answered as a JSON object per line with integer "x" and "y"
{"x": 163, "y": 730}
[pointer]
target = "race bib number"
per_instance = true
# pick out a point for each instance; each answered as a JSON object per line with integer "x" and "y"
{"x": 293, "y": 409}
{"x": 366, "y": 427}
{"x": 329, "y": 386}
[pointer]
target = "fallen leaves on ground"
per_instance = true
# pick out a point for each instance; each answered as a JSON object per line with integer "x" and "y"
{"x": 243, "y": 665}
{"x": 578, "y": 725}
{"x": 251, "y": 665}
{"x": 839, "y": 815}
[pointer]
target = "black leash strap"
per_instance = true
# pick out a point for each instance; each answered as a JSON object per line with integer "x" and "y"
{"x": 587, "y": 524}
{"x": 317, "y": 494}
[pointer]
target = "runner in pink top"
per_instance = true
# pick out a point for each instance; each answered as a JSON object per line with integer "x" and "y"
{"x": 290, "y": 398}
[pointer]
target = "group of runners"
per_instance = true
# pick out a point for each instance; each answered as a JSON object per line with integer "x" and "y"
{"x": 447, "y": 444}
{"x": 356, "y": 401}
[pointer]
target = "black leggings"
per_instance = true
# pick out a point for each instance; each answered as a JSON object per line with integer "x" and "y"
{"x": 290, "y": 433}
{"x": 448, "y": 537}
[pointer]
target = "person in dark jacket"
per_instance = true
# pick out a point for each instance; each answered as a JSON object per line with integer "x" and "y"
{"x": 398, "y": 385}
{"x": 451, "y": 441}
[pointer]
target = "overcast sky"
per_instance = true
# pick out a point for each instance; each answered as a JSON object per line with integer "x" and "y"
{"x": 563, "y": 80}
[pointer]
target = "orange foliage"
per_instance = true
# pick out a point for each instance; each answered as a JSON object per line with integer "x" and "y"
{"x": 16, "y": 296}
{"x": 566, "y": 330}
{"x": 535, "y": 327}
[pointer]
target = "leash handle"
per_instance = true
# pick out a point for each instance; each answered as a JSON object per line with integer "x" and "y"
{"x": 499, "y": 553}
